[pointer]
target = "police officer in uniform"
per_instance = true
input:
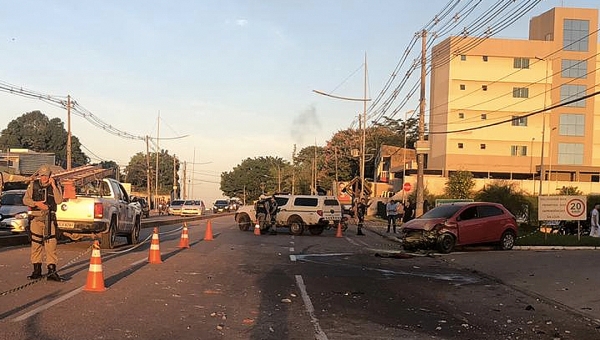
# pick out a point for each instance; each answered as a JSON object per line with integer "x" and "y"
{"x": 43, "y": 195}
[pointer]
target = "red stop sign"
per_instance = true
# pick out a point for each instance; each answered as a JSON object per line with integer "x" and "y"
{"x": 406, "y": 186}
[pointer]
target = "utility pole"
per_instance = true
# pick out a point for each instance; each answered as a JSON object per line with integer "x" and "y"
{"x": 69, "y": 150}
{"x": 293, "y": 170}
{"x": 148, "y": 170}
{"x": 157, "y": 153}
{"x": 420, "y": 155}
{"x": 174, "y": 177}
{"x": 184, "y": 180}
{"x": 364, "y": 135}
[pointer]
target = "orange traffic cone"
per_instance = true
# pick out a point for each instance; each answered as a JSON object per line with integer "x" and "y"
{"x": 184, "y": 242}
{"x": 257, "y": 229}
{"x": 208, "y": 236}
{"x": 154, "y": 255}
{"x": 95, "y": 278}
{"x": 339, "y": 230}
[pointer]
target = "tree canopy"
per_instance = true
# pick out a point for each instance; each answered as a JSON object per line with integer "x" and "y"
{"x": 36, "y": 132}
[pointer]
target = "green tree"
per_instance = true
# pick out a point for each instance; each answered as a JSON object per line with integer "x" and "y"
{"x": 255, "y": 176}
{"x": 34, "y": 131}
{"x": 573, "y": 191}
{"x": 506, "y": 194}
{"x": 459, "y": 185}
{"x": 136, "y": 173}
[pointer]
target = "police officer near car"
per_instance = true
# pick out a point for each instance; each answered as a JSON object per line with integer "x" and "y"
{"x": 43, "y": 195}
{"x": 272, "y": 214}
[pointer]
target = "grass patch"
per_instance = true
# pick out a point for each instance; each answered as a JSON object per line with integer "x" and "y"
{"x": 537, "y": 238}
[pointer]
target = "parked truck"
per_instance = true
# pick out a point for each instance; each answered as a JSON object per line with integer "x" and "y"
{"x": 100, "y": 209}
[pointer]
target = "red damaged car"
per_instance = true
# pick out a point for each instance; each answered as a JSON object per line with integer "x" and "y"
{"x": 459, "y": 224}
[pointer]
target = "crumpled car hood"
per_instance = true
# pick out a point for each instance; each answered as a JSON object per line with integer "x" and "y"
{"x": 423, "y": 224}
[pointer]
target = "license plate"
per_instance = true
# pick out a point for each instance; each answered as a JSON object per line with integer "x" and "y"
{"x": 66, "y": 225}
{"x": 330, "y": 218}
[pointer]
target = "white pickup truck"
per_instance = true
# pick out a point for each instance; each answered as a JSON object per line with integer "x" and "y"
{"x": 101, "y": 209}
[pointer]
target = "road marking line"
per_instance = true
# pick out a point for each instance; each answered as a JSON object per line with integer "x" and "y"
{"x": 319, "y": 334}
{"x": 291, "y": 249}
{"x": 49, "y": 304}
{"x": 293, "y": 258}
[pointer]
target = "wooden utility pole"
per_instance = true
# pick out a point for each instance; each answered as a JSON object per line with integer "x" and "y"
{"x": 364, "y": 136}
{"x": 157, "y": 154}
{"x": 184, "y": 196}
{"x": 69, "y": 150}
{"x": 174, "y": 177}
{"x": 148, "y": 170}
{"x": 420, "y": 155}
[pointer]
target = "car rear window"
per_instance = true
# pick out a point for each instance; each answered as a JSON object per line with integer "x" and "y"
{"x": 281, "y": 200}
{"x": 331, "y": 202}
{"x": 176, "y": 202}
{"x": 306, "y": 201}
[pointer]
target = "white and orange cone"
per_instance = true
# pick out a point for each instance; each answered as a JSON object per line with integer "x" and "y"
{"x": 184, "y": 241}
{"x": 95, "y": 277}
{"x": 154, "y": 255}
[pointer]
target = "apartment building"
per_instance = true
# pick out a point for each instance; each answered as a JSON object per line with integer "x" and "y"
{"x": 487, "y": 101}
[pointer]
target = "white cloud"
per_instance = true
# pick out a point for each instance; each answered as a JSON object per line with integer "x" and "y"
{"x": 241, "y": 22}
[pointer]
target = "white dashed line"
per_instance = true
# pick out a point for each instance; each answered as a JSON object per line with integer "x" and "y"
{"x": 319, "y": 334}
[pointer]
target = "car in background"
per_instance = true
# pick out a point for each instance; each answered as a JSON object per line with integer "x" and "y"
{"x": 144, "y": 207}
{"x": 175, "y": 207}
{"x": 14, "y": 215}
{"x": 192, "y": 208}
{"x": 460, "y": 224}
{"x": 221, "y": 206}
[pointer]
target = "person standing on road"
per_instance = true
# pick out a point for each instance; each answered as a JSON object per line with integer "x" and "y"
{"x": 409, "y": 212}
{"x": 273, "y": 213}
{"x": 391, "y": 209}
{"x": 43, "y": 195}
{"x": 361, "y": 211}
{"x": 594, "y": 221}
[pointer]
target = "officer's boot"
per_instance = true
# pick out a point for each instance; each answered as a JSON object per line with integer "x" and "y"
{"x": 37, "y": 272}
{"x": 52, "y": 274}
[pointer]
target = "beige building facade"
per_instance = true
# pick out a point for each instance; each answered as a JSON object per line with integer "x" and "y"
{"x": 508, "y": 109}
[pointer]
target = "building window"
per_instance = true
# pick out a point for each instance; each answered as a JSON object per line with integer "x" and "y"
{"x": 460, "y": 145}
{"x": 484, "y": 116}
{"x": 484, "y": 87}
{"x": 570, "y": 153}
{"x": 463, "y": 87}
{"x": 482, "y": 146}
{"x": 570, "y": 92}
{"x": 519, "y": 121}
{"x": 520, "y": 92}
{"x": 575, "y": 35}
{"x": 571, "y": 124}
{"x": 521, "y": 63}
{"x": 463, "y": 57}
{"x": 574, "y": 68}
{"x": 461, "y": 115}
{"x": 485, "y": 58}
{"x": 518, "y": 150}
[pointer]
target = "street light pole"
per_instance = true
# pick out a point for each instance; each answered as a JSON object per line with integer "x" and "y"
{"x": 364, "y": 135}
{"x": 542, "y": 170}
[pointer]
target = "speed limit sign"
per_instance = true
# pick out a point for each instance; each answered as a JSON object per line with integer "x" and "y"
{"x": 564, "y": 208}
{"x": 576, "y": 208}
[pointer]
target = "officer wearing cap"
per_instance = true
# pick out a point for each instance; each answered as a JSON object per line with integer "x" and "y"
{"x": 43, "y": 195}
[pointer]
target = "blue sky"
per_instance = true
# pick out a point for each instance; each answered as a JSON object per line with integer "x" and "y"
{"x": 235, "y": 77}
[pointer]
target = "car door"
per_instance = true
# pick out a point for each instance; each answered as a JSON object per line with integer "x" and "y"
{"x": 469, "y": 226}
{"x": 492, "y": 221}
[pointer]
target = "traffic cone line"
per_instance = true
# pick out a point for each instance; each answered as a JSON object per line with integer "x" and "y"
{"x": 95, "y": 277}
{"x": 257, "y": 229}
{"x": 154, "y": 255}
{"x": 184, "y": 241}
{"x": 339, "y": 230}
{"x": 208, "y": 236}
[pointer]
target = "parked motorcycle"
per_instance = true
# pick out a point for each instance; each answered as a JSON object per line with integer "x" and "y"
{"x": 571, "y": 228}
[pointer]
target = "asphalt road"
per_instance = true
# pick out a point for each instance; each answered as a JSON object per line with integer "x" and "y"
{"x": 243, "y": 286}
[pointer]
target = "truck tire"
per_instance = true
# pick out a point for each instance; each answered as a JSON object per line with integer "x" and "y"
{"x": 296, "y": 226}
{"x": 134, "y": 237}
{"x": 108, "y": 239}
{"x": 244, "y": 222}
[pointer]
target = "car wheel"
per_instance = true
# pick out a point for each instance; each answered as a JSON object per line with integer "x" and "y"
{"x": 244, "y": 222}
{"x": 316, "y": 230}
{"x": 507, "y": 241}
{"x": 109, "y": 238}
{"x": 134, "y": 237}
{"x": 446, "y": 243}
{"x": 296, "y": 226}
